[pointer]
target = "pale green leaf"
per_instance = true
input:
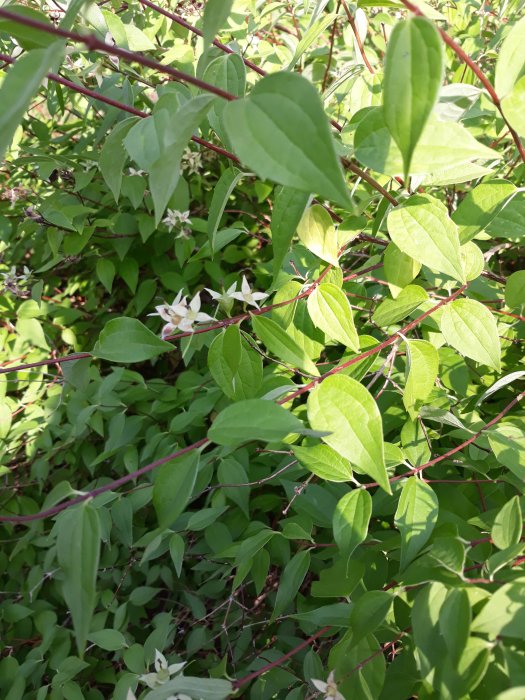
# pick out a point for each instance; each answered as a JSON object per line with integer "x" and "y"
{"x": 400, "y": 269}
{"x": 108, "y": 639}
{"x": 324, "y": 462}
{"x": 504, "y": 613}
{"x": 282, "y": 133}
{"x": 508, "y": 444}
{"x": 308, "y": 38}
{"x": 345, "y": 409}
{"x": 421, "y": 372}
{"x": 391, "y": 311}
{"x": 480, "y": 206}
{"x": 317, "y": 233}
{"x": 21, "y": 83}
{"x": 415, "y": 518}
{"x": 193, "y": 687}
{"x": 351, "y": 520}
{"x": 253, "y": 419}
{"x": 279, "y": 342}
{"x": 510, "y": 66}
{"x": 508, "y": 524}
{"x": 513, "y": 106}
{"x": 472, "y": 260}
{"x": 78, "y": 552}
{"x": 414, "y": 69}
{"x": 128, "y": 340}
{"x": 441, "y": 150}
{"x": 330, "y": 311}
{"x": 471, "y": 329}
{"x": 515, "y": 290}
{"x": 422, "y": 228}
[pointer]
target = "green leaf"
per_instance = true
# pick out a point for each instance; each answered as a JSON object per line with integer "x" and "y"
{"x": 400, "y": 269}
{"x": 345, "y": 409}
{"x": 472, "y": 260}
{"x": 368, "y": 613}
{"x": 443, "y": 155}
{"x": 216, "y": 13}
{"x": 508, "y": 524}
{"x": 324, "y": 462}
{"x": 515, "y": 290}
{"x": 203, "y": 688}
{"x": 128, "y": 340}
{"x": 480, "y": 206}
{"x": 28, "y": 37}
{"x": 351, "y": 520}
{"x": 308, "y": 38}
{"x": 110, "y": 640}
{"x": 173, "y": 133}
{"x": 414, "y": 69}
{"x": 177, "y": 547}
{"x": 510, "y": 66}
{"x": 415, "y": 518}
{"x": 78, "y": 552}
{"x": 173, "y": 487}
{"x": 279, "y": 342}
{"x": 221, "y": 194}
{"x": 421, "y": 372}
{"x": 288, "y": 208}
{"x": 391, "y": 311}
{"x": 454, "y": 622}
{"x": 508, "y": 444}
{"x": 106, "y": 272}
{"x": 234, "y": 366}
{"x": 282, "y": 133}
{"x": 504, "y": 613}
{"x": 21, "y": 83}
{"x": 513, "y": 106}
{"x": 330, "y": 311}
{"x": 113, "y": 156}
{"x": 422, "y": 228}
{"x": 291, "y": 579}
{"x": 471, "y": 329}
{"x": 317, "y": 233}
{"x": 253, "y": 419}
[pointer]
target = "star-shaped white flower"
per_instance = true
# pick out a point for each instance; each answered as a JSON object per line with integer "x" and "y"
{"x": 132, "y": 171}
{"x": 163, "y": 671}
{"x": 181, "y": 315}
{"x": 329, "y": 688}
{"x": 173, "y": 218}
{"x": 224, "y": 296}
{"x": 247, "y": 296}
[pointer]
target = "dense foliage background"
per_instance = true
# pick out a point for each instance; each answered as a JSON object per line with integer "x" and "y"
{"x": 253, "y": 442}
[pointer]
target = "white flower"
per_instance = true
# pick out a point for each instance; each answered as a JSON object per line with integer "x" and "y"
{"x": 247, "y": 296}
{"x": 132, "y": 171}
{"x": 191, "y": 161}
{"x": 173, "y": 218}
{"x": 97, "y": 71}
{"x": 163, "y": 672}
{"x": 329, "y": 688}
{"x": 180, "y": 315}
{"x": 225, "y": 296}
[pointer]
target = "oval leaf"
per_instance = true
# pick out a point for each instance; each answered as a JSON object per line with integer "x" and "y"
{"x": 317, "y": 232}
{"x": 347, "y": 411}
{"x": 415, "y": 518}
{"x": 351, "y": 520}
{"x": 128, "y": 340}
{"x": 254, "y": 419}
{"x": 330, "y": 310}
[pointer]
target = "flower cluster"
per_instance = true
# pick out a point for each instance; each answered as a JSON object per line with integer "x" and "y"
{"x": 14, "y": 283}
{"x": 175, "y": 218}
{"x": 181, "y": 314}
{"x": 191, "y": 161}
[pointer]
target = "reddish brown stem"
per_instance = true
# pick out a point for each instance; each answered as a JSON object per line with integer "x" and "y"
{"x": 179, "y": 20}
{"x": 357, "y": 37}
{"x": 252, "y": 676}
